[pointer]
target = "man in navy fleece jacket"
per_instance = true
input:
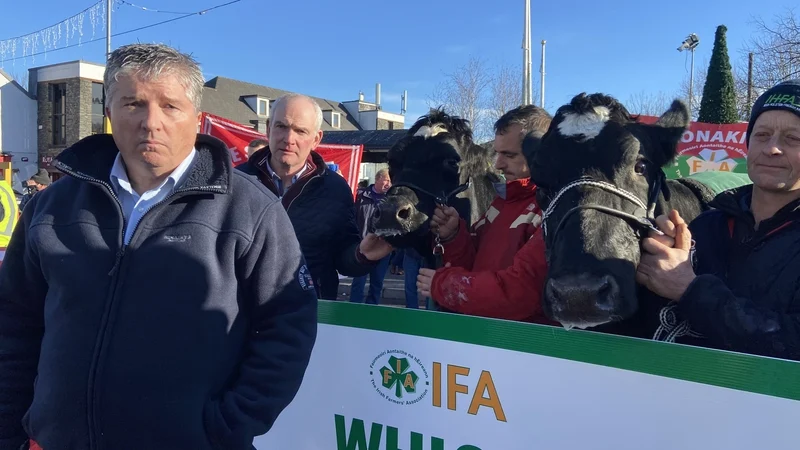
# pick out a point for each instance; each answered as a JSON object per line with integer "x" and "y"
{"x": 154, "y": 298}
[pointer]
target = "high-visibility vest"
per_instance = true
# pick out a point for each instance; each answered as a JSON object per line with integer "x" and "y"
{"x": 10, "y": 215}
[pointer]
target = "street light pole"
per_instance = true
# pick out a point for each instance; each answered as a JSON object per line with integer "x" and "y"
{"x": 108, "y": 28}
{"x": 527, "y": 98}
{"x": 690, "y": 43}
{"x": 691, "y": 85}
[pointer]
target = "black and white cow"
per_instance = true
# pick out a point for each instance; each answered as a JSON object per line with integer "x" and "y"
{"x": 436, "y": 162}
{"x": 600, "y": 178}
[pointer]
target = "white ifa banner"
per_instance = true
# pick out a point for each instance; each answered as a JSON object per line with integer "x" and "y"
{"x": 376, "y": 390}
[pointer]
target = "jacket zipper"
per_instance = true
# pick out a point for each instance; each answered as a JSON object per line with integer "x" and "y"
{"x": 301, "y": 191}
{"x": 114, "y": 273}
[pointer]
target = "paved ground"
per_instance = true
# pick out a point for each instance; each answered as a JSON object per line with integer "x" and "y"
{"x": 393, "y": 290}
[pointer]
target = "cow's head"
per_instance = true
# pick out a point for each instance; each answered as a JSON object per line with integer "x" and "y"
{"x": 424, "y": 168}
{"x": 599, "y": 170}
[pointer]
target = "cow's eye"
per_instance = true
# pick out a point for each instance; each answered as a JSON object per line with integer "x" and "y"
{"x": 452, "y": 163}
{"x": 640, "y": 168}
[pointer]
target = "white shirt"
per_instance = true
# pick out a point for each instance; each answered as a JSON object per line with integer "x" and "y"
{"x": 134, "y": 206}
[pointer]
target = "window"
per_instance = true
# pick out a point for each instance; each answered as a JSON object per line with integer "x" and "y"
{"x": 336, "y": 120}
{"x": 263, "y": 107}
{"x": 58, "y": 98}
{"x": 98, "y": 108}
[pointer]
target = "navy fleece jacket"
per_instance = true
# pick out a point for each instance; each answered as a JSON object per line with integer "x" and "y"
{"x": 196, "y": 335}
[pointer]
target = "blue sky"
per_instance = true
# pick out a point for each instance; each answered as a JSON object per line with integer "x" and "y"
{"x": 334, "y": 49}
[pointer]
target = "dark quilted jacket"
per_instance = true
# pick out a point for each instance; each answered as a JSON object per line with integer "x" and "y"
{"x": 320, "y": 206}
{"x": 746, "y": 297}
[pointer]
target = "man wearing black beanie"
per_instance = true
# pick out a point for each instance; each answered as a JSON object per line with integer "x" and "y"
{"x": 741, "y": 291}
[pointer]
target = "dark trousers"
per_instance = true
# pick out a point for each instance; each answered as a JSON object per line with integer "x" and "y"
{"x": 376, "y": 276}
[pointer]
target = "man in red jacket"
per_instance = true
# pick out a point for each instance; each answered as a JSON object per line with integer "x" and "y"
{"x": 481, "y": 276}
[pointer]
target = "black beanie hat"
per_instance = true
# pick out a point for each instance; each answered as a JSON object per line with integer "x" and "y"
{"x": 784, "y": 96}
{"x": 42, "y": 177}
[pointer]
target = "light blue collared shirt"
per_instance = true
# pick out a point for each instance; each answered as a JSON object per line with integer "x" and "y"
{"x": 277, "y": 180}
{"x": 134, "y": 206}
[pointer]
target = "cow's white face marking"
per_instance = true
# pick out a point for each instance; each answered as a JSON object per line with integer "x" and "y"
{"x": 589, "y": 125}
{"x": 430, "y": 131}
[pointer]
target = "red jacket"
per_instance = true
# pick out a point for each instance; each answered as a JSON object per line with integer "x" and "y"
{"x": 490, "y": 274}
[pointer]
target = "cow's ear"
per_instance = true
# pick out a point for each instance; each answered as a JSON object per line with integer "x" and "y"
{"x": 667, "y": 131}
{"x": 395, "y": 156}
{"x": 530, "y": 146}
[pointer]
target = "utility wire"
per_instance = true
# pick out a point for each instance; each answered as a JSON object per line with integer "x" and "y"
{"x": 144, "y": 8}
{"x": 198, "y": 13}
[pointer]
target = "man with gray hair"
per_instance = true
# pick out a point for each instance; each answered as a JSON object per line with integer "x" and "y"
{"x": 154, "y": 298}
{"x": 319, "y": 201}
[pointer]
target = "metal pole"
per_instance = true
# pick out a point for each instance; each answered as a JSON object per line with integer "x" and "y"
{"x": 749, "y": 81}
{"x": 106, "y": 121}
{"x": 526, "y": 56}
{"x": 108, "y": 28}
{"x": 691, "y": 87}
{"x": 542, "y": 89}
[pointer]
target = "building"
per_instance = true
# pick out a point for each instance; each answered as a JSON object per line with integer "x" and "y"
{"x": 250, "y": 105}
{"x": 356, "y": 122}
{"x": 18, "y": 135}
{"x": 65, "y": 102}
{"x": 70, "y": 104}
{"x": 376, "y": 142}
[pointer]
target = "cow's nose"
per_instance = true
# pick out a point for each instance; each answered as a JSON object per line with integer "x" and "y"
{"x": 588, "y": 293}
{"x": 404, "y": 213}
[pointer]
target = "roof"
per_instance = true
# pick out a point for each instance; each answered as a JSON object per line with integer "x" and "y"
{"x": 11, "y": 80}
{"x": 373, "y": 140}
{"x": 225, "y": 97}
{"x": 77, "y": 61}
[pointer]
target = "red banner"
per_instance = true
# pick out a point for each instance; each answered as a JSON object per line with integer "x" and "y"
{"x": 706, "y": 147}
{"x": 237, "y": 137}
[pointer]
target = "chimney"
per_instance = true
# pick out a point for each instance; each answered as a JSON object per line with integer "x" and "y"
{"x": 378, "y": 95}
{"x": 404, "y": 103}
{"x": 360, "y": 96}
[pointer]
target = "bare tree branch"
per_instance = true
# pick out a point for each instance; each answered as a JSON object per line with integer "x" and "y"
{"x": 506, "y": 91}
{"x": 648, "y": 104}
{"x": 463, "y": 92}
{"x": 776, "y": 49}
{"x": 700, "y": 72}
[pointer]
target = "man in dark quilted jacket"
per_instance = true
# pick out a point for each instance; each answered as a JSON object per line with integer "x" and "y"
{"x": 319, "y": 202}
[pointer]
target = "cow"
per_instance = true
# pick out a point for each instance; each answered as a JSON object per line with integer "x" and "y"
{"x": 601, "y": 184}
{"x": 436, "y": 162}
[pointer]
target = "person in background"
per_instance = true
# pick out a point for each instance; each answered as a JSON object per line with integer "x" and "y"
{"x": 256, "y": 145}
{"x": 366, "y": 201}
{"x": 34, "y": 185}
{"x": 739, "y": 287}
{"x": 319, "y": 202}
{"x": 479, "y": 277}
{"x": 396, "y": 263}
{"x": 154, "y": 297}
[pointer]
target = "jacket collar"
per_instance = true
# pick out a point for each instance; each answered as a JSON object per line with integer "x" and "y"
{"x": 522, "y": 188}
{"x": 369, "y": 192}
{"x": 259, "y": 159}
{"x": 736, "y": 202}
{"x": 93, "y": 157}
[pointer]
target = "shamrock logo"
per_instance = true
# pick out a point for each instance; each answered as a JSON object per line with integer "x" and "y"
{"x": 398, "y": 376}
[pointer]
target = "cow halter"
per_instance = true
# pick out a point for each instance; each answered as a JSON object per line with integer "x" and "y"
{"x": 442, "y": 199}
{"x": 643, "y": 223}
